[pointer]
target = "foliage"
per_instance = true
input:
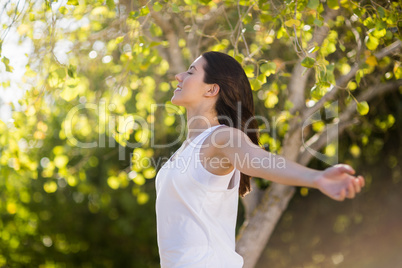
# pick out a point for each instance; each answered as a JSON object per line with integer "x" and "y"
{"x": 75, "y": 160}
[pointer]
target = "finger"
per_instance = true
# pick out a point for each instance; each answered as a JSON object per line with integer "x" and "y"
{"x": 346, "y": 169}
{"x": 356, "y": 185}
{"x": 362, "y": 181}
{"x": 342, "y": 195}
{"x": 351, "y": 190}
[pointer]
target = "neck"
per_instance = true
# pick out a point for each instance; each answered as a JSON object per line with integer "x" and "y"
{"x": 199, "y": 120}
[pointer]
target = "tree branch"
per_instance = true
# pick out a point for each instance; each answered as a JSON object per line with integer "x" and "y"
{"x": 110, "y": 32}
{"x": 175, "y": 58}
{"x": 394, "y": 47}
{"x": 318, "y": 141}
{"x": 343, "y": 80}
{"x": 369, "y": 94}
{"x": 297, "y": 85}
{"x": 207, "y": 21}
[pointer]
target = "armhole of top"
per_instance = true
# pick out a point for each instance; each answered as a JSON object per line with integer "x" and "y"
{"x": 235, "y": 180}
{"x": 225, "y": 182}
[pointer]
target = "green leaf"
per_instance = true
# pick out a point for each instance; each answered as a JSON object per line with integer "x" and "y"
{"x": 73, "y": 2}
{"x": 71, "y": 71}
{"x": 372, "y": 61}
{"x": 313, "y": 4}
{"x": 63, "y": 10}
{"x": 380, "y": 25}
{"x": 308, "y": 62}
{"x": 331, "y": 48}
{"x": 333, "y": 4}
{"x": 239, "y": 58}
{"x": 379, "y": 33}
{"x": 397, "y": 70}
{"x": 271, "y": 99}
{"x": 262, "y": 78}
{"x": 381, "y": 12}
{"x": 6, "y": 62}
{"x": 268, "y": 68}
{"x": 372, "y": 42}
{"x": 359, "y": 12}
{"x": 291, "y": 22}
{"x": 255, "y": 84}
{"x": 110, "y": 4}
{"x": 324, "y": 85}
{"x": 69, "y": 93}
{"x": 369, "y": 23}
{"x": 249, "y": 70}
{"x": 318, "y": 22}
{"x": 119, "y": 39}
{"x": 61, "y": 73}
{"x": 6, "y": 84}
{"x": 363, "y": 107}
{"x": 157, "y": 7}
{"x": 144, "y": 11}
{"x": 266, "y": 18}
{"x": 153, "y": 44}
{"x": 316, "y": 92}
{"x": 358, "y": 77}
{"x": 134, "y": 15}
{"x": 175, "y": 8}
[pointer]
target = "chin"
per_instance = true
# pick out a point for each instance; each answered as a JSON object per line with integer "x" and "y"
{"x": 175, "y": 101}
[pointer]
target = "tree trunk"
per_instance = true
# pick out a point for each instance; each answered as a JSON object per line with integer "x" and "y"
{"x": 257, "y": 230}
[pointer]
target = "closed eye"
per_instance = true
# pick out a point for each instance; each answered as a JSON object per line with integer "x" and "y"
{"x": 191, "y": 67}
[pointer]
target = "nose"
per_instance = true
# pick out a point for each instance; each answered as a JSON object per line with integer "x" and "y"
{"x": 178, "y": 77}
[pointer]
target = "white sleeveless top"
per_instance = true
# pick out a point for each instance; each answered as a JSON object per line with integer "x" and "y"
{"x": 196, "y": 212}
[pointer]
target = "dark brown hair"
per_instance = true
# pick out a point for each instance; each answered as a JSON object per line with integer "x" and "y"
{"x": 235, "y": 105}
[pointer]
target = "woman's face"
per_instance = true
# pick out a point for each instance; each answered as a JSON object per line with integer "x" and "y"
{"x": 191, "y": 87}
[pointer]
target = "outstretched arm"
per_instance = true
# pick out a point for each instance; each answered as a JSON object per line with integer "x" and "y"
{"x": 337, "y": 182}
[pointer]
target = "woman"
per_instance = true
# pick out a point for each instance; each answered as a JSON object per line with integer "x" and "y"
{"x": 198, "y": 187}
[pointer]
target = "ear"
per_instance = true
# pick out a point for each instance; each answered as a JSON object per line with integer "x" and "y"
{"x": 214, "y": 90}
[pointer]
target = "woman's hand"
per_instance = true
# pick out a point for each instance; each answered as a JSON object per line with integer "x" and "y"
{"x": 338, "y": 182}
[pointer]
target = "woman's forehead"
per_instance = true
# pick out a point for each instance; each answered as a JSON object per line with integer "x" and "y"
{"x": 199, "y": 62}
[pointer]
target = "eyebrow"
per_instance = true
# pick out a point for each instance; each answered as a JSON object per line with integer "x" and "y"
{"x": 192, "y": 66}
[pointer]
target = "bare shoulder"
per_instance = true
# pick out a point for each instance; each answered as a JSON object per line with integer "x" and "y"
{"x": 228, "y": 136}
